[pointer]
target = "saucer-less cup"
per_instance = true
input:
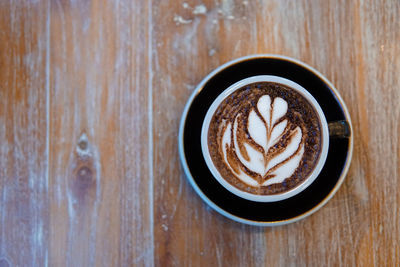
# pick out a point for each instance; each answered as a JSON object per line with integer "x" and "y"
{"x": 335, "y": 128}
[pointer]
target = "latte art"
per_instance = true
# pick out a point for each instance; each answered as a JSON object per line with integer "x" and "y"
{"x": 264, "y": 138}
{"x": 267, "y": 162}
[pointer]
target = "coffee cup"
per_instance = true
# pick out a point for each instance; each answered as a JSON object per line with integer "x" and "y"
{"x": 265, "y": 138}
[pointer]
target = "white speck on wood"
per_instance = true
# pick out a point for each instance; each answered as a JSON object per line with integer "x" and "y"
{"x": 211, "y": 52}
{"x": 97, "y": 165}
{"x": 164, "y": 227}
{"x": 178, "y": 198}
{"x": 360, "y": 188}
{"x": 191, "y": 37}
{"x": 227, "y": 7}
{"x": 190, "y": 87}
{"x": 219, "y": 256}
{"x": 200, "y": 9}
{"x": 71, "y": 211}
{"x": 185, "y": 5}
{"x": 238, "y": 45}
{"x": 179, "y": 20}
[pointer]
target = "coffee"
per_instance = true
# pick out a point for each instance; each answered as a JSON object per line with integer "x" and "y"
{"x": 265, "y": 138}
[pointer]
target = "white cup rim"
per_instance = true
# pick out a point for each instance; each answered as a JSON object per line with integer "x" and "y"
{"x": 324, "y": 145}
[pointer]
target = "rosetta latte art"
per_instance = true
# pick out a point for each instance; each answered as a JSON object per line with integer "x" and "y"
{"x": 264, "y": 138}
{"x": 263, "y": 162}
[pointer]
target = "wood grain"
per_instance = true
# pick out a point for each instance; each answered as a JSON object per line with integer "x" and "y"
{"x": 91, "y": 93}
{"x": 24, "y": 221}
{"x": 99, "y": 171}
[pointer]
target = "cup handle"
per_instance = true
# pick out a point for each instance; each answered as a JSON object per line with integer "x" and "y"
{"x": 339, "y": 129}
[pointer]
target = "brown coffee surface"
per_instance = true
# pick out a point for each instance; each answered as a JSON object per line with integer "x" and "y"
{"x": 229, "y": 154}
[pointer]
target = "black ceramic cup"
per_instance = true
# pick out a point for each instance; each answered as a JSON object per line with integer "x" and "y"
{"x": 288, "y": 210}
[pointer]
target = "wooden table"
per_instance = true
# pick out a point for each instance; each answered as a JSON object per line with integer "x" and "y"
{"x": 91, "y": 93}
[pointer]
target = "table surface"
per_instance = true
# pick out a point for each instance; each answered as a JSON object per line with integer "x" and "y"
{"x": 91, "y": 93}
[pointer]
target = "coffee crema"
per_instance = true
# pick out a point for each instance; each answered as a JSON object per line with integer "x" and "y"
{"x": 265, "y": 138}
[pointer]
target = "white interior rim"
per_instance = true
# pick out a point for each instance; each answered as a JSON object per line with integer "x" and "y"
{"x": 293, "y": 191}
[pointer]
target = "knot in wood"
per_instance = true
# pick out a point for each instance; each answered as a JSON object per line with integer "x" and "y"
{"x": 84, "y": 175}
{"x": 83, "y": 147}
{"x": 83, "y": 144}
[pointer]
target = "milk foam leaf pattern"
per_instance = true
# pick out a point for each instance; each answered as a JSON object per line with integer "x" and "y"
{"x": 226, "y": 149}
{"x": 257, "y": 130}
{"x": 257, "y": 160}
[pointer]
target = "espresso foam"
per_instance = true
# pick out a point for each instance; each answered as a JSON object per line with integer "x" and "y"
{"x": 265, "y": 138}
